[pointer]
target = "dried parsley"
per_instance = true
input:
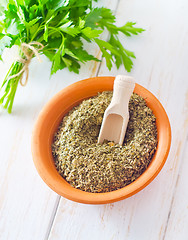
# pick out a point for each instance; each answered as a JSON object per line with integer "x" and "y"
{"x": 94, "y": 167}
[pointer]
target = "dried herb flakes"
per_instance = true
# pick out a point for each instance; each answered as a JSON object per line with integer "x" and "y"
{"x": 94, "y": 167}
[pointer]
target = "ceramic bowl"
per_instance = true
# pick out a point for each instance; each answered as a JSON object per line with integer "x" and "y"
{"x": 49, "y": 120}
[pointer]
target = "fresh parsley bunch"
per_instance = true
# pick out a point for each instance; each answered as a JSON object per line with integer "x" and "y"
{"x": 60, "y": 27}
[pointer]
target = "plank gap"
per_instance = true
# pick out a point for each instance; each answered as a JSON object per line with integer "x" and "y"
{"x": 54, "y": 212}
{"x": 175, "y": 188}
{"x": 170, "y": 209}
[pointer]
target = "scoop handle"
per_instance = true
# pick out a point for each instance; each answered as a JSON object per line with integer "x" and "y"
{"x": 122, "y": 90}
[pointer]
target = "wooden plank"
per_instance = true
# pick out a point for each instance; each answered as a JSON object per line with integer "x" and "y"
{"x": 161, "y": 66}
{"x": 27, "y": 205}
{"x": 178, "y": 215}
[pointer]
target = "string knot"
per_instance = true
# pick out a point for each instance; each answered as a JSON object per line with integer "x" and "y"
{"x": 26, "y": 59}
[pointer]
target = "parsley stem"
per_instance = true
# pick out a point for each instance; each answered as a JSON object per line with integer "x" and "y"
{"x": 6, "y": 77}
{"x": 13, "y": 95}
{"x": 11, "y": 86}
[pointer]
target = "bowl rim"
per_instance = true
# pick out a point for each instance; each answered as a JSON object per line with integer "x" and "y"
{"x": 42, "y": 156}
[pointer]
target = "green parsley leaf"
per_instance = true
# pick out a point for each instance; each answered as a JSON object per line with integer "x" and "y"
{"x": 129, "y": 29}
{"x": 56, "y": 62}
{"x": 93, "y": 17}
{"x": 89, "y": 33}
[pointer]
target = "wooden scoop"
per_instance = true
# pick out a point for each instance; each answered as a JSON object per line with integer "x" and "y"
{"x": 116, "y": 116}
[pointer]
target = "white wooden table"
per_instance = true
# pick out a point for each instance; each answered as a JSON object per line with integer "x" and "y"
{"x": 29, "y": 210}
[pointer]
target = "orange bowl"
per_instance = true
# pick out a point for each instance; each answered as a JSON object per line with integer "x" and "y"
{"x": 49, "y": 120}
